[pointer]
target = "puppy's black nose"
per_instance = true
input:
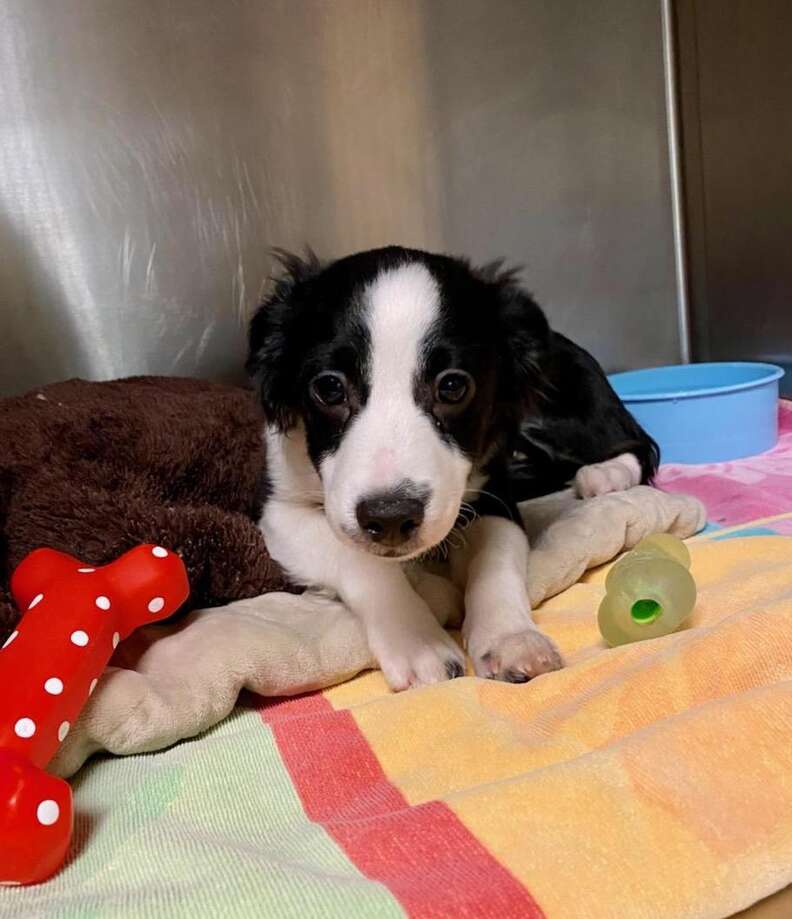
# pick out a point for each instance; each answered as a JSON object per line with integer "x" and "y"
{"x": 390, "y": 518}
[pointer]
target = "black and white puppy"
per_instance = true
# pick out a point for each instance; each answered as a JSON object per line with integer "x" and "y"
{"x": 402, "y": 391}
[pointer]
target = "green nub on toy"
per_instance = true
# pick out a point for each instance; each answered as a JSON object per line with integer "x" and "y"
{"x": 648, "y": 593}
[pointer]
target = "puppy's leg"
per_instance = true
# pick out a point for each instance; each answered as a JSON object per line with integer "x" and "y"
{"x": 617, "y": 474}
{"x": 499, "y": 632}
{"x": 440, "y": 594}
{"x": 581, "y": 433}
{"x": 403, "y": 634}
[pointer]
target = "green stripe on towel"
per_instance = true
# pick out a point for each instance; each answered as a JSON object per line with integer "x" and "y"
{"x": 211, "y": 827}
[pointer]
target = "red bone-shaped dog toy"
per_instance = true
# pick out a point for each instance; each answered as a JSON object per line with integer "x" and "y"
{"x": 76, "y": 616}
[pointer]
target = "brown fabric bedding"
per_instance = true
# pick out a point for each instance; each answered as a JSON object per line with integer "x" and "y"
{"x": 96, "y": 468}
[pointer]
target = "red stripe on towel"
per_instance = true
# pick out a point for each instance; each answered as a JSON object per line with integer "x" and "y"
{"x": 423, "y": 854}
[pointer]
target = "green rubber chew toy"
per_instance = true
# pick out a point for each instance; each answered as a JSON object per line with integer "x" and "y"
{"x": 648, "y": 593}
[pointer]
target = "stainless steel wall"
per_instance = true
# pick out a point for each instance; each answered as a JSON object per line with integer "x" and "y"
{"x": 736, "y": 80}
{"x": 152, "y": 150}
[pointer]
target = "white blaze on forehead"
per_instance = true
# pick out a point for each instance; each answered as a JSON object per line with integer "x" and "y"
{"x": 393, "y": 440}
{"x": 401, "y": 306}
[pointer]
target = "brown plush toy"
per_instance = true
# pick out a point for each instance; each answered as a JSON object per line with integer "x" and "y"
{"x": 93, "y": 469}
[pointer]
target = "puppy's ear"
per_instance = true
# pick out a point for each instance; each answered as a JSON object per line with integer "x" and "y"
{"x": 274, "y": 352}
{"x": 525, "y": 333}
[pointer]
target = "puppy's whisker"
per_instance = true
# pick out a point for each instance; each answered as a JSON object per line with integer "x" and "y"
{"x": 489, "y": 494}
{"x": 437, "y": 553}
{"x": 467, "y": 515}
{"x": 455, "y": 540}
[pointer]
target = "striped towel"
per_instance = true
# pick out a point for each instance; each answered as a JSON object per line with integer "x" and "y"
{"x": 651, "y": 780}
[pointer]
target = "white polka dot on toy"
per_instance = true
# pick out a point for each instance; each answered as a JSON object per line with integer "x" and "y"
{"x": 25, "y": 727}
{"x": 159, "y": 552}
{"x": 54, "y": 686}
{"x": 116, "y": 639}
{"x": 103, "y": 602}
{"x": 79, "y": 638}
{"x": 35, "y": 601}
{"x": 8, "y": 640}
{"x": 92, "y": 687}
{"x": 47, "y": 812}
{"x": 63, "y": 730}
{"x": 85, "y": 570}
{"x": 156, "y": 605}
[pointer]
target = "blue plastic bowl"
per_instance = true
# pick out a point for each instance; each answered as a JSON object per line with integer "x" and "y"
{"x": 705, "y": 413}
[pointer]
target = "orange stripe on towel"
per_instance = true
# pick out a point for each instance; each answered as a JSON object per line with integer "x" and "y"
{"x": 423, "y": 854}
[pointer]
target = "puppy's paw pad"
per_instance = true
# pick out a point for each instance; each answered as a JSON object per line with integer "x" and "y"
{"x": 519, "y": 658}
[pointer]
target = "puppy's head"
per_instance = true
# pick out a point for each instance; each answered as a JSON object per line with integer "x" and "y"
{"x": 407, "y": 372}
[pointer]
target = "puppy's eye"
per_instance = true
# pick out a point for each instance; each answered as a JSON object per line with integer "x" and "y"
{"x": 453, "y": 387}
{"x": 329, "y": 389}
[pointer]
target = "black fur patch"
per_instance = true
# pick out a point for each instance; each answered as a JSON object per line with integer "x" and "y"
{"x": 580, "y": 422}
{"x": 312, "y": 322}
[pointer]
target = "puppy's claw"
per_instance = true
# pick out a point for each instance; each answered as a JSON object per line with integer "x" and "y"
{"x": 515, "y": 676}
{"x": 409, "y": 660}
{"x": 454, "y": 670}
{"x": 518, "y": 658}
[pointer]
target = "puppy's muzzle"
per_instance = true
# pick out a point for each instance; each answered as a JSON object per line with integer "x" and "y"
{"x": 391, "y": 518}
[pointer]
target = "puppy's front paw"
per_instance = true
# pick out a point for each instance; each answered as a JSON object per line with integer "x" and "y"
{"x": 411, "y": 659}
{"x": 517, "y": 658}
{"x": 617, "y": 474}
